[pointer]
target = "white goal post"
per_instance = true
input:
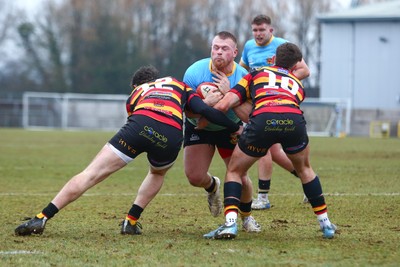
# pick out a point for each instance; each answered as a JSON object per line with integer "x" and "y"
{"x": 327, "y": 116}
{"x": 72, "y": 111}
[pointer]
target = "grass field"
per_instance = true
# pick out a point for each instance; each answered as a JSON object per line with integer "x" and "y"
{"x": 360, "y": 177}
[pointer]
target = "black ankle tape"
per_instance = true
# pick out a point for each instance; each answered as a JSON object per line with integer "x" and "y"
{"x": 50, "y": 210}
{"x": 212, "y": 186}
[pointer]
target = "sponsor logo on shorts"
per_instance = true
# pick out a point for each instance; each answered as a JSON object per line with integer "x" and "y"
{"x": 123, "y": 143}
{"x": 274, "y": 125}
{"x": 194, "y": 137}
{"x": 279, "y": 129}
{"x": 275, "y": 122}
{"x": 256, "y": 149}
{"x": 149, "y": 133}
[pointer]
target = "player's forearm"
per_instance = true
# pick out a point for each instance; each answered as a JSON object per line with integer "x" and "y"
{"x": 228, "y": 101}
{"x": 243, "y": 111}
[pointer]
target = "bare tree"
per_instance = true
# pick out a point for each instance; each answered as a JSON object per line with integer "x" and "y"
{"x": 94, "y": 45}
{"x": 7, "y": 21}
{"x": 306, "y": 32}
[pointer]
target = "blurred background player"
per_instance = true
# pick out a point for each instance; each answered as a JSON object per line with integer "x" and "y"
{"x": 200, "y": 145}
{"x": 276, "y": 95}
{"x": 260, "y": 52}
{"x": 155, "y": 126}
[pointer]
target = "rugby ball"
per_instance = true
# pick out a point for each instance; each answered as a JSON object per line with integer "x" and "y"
{"x": 204, "y": 88}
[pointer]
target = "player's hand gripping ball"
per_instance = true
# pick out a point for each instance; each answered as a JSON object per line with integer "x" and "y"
{"x": 204, "y": 88}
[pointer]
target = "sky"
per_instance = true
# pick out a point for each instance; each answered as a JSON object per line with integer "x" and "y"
{"x": 33, "y": 4}
{"x": 28, "y": 5}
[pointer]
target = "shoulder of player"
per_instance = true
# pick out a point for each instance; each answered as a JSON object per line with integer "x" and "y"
{"x": 279, "y": 40}
{"x": 199, "y": 64}
{"x": 197, "y": 70}
{"x": 250, "y": 44}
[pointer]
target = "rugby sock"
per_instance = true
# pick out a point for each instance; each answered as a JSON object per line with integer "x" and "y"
{"x": 48, "y": 212}
{"x": 134, "y": 214}
{"x": 41, "y": 216}
{"x": 132, "y": 220}
{"x": 212, "y": 187}
{"x": 245, "y": 209}
{"x": 313, "y": 192}
{"x": 305, "y": 199}
{"x": 323, "y": 220}
{"x": 231, "y": 216}
{"x": 263, "y": 189}
{"x": 232, "y": 193}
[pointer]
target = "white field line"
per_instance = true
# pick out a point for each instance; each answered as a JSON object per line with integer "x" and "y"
{"x": 15, "y": 252}
{"x": 195, "y": 194}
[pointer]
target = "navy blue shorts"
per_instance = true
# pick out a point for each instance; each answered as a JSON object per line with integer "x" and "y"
{"x": 162, "y": 142}
{"x": 224, "y": 140}
{"x": 264, "y": 130}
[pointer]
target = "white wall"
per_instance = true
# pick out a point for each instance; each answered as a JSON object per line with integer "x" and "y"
{"x": 361, "y": 60}
{"x": 377, "y": 65}
{"x": 336, "y": 58}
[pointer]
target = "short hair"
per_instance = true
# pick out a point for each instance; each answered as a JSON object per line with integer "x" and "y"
{"x": 287, "y": 55}
{"x": 144, "y": 74}
{"x": 227, "y": 35}
{"x": 261, "y": 19}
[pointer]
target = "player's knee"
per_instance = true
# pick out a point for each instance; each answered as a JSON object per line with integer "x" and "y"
{"x": 196, "y": 179}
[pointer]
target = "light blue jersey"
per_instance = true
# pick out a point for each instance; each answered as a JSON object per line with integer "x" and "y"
{"x": 200, "y": 72}
{"x": 255, "y": 56}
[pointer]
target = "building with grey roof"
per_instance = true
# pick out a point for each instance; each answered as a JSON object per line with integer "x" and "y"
{"x": 360, "y": 58}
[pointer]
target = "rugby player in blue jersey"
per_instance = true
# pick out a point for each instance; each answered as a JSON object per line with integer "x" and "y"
{"x": 200, "y": 145}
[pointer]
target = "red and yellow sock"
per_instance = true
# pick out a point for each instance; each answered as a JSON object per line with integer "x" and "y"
{"x": 41, "y": 215}
{"x": 132, "y": 220}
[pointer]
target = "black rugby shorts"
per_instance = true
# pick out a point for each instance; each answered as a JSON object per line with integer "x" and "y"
{"x": 264, "y": 130}
{"x": 161, "y": 141}
{"x": 224, "y": 140}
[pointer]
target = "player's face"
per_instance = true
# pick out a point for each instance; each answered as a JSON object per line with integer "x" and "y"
{"x": 262, "y": 33}
{"x": 223, "y": 52}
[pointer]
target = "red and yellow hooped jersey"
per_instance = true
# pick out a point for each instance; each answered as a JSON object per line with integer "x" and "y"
{"x": 271, "y": 89}
{"x": 163, "y": 99}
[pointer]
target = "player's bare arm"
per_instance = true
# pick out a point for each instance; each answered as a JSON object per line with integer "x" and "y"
{"x": 243, "y": 111}
{"x": 301, "y": 70}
